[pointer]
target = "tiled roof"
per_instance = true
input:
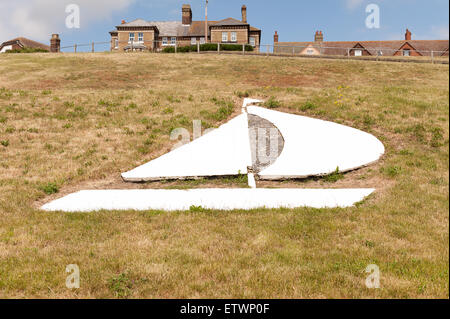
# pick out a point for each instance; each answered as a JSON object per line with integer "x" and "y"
{"x": 176, "y": 28}
{"x": 27, "y": 43}
{"x": 229, "y": 22}
{"x": 386, "y": 47}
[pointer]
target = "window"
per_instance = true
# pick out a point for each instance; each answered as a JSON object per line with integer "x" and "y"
{"x": 252, "y": 41}
{"x": 224, "y": 36}
{"x": 141, "y": 37}
{"x": 164, "y": 41}
{"x": 193, "y": 41}
{"x": 131, "y": 38}
{"x": 173, "y": 40}
{"x": 202, "y": 40}
{"x": 358, "y": 52}
{"x": 233, "y": 37}
{"x": 406, "y": 52}
{"x": 310, "y": 51}
{"x": 116, "y": 43}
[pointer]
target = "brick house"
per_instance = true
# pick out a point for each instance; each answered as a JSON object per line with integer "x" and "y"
{"x": 20, "y": 43}
{"x": 142, "y": 35}
{"x": 406, "y": 47}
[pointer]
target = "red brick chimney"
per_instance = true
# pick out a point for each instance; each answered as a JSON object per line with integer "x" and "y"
{"x": 55, "y": 43}
{"x": 318, "y": 37}
{"x": 186, "y": 14}
{"x": 408, "y": 35}
{"x": 123, "y": 22}
{"x": 244, "y": 14}
{"x": 275, "y": 37}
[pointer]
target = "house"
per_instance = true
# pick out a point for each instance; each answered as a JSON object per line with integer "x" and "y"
{"x": 20, "y": 43}
{"x": 406, "y": 47}
{"x": 142, "y": 35}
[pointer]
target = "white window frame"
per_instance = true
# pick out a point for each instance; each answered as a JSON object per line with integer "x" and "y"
{"x": 233, "y": 36}
{"x": 406, "y": 52}
{"x": 310, "y": 51}
{"x": 224, "y": 36}
{"x": 358, "y": 52}
{"x": 141, "y": 37}
{"x": 253, "y": 41}
{"x": 173, "y": 41}
{"x": 202, "y": 40}
{"x": 193, "y": 41}
{"x": 131, "y": 37}
{"x": 165, "y": 41}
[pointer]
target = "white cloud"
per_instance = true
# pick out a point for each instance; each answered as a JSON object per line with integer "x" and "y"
{"x": 440, "y": 32}
{"x": 436, "y": 32}
{"x": 38, "y": 19}
{"x": 353, "y": 4}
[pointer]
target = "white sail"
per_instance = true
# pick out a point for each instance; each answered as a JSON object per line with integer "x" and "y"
{"x": 314, "y": 147}
{"x": 222, "y": 152}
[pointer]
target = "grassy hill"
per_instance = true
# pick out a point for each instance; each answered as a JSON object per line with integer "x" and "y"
{"x": 71, "y": 122}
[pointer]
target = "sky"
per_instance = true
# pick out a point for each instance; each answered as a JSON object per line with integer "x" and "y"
{"x": 295, "y": 20}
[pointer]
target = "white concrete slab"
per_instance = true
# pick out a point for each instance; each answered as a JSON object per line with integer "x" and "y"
{"x": 224, "y": 151}
{"x": 314, "y": 147}
{"x": 219, "y": 199}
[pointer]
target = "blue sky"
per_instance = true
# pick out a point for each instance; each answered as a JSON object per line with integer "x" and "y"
{"x": 294, "y": 20}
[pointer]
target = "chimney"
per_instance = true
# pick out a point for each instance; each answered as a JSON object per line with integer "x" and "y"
{"x": 123, "y": 22}
{"x": 244, "y": 14}
{"x": 408, "y": 35}
{"x": 318, "y": 37}
{"x": 275, "y": 37}
{"x": 55, "y": 43}
{"x": 186, "y": 15}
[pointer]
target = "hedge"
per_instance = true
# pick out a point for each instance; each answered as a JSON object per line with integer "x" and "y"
{"x": 208, "y": 47}
{"x": 27, "y": 50}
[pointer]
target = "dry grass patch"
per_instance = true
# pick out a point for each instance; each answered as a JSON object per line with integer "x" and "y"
{"x": 77, "y": 121}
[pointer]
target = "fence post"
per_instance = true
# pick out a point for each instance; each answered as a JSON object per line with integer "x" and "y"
{"x": 198, "y": 47}
{"x": 293, "y": 51}
{"x": 176, "y": 47}
{"x": 93, "y": 48}
{"x": 218, "y": 48}
{"x": 432, "y": 57}
{"x": 75, "y": 48}
{"x": 268, "y": 49}
{"x": 243, "y": 49}
{"x": 348, "y": 53}
{"x": 132, "y": 45}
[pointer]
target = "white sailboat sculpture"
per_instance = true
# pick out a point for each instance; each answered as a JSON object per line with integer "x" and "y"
{"x": 311, "y": 148}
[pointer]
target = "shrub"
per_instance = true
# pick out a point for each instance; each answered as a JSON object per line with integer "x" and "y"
{"x": 334, "y": 177}
{"x": 208, "y": 47}
{"x": 272, "y": 103}
{"x": 308, "y": 106}
{"x": 4, "y": 143}
{"x": 27, "y": 50}
{"x": 50, "y": 188}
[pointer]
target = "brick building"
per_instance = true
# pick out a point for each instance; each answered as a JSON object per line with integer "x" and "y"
{"x": 142, "y": 35}
{"x": 406, "y": 47}
{"x": 21, "y": 43}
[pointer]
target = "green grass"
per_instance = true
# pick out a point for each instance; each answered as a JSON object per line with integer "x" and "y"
{"x": 72, "y": 122}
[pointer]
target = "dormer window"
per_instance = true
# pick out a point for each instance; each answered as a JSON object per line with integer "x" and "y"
{"x": 406, "y": 52}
